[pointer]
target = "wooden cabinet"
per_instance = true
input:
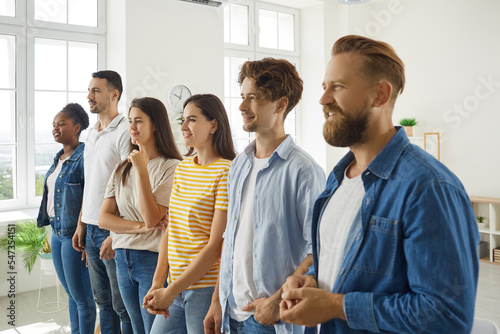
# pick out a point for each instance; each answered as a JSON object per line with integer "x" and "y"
{"x": 488, "y": 207}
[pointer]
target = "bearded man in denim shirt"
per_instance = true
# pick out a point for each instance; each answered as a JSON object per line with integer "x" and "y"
{"x": 271, "y": 187}
{"x": 394, "y": 234}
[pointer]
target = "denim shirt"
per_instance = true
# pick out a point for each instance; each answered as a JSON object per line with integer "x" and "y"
{"x": 285, "y": 190}
{"x": 68, "y": 193}
{"x": 410, "y": 264}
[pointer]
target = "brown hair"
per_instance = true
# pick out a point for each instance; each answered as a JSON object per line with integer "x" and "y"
{"x": 380, "y": 61}
{"x": 212, "y": 108}
{"x": 274, "y": 78}
{"x": 164, "y": 139}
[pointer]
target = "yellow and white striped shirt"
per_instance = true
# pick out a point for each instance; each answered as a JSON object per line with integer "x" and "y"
{"x": 197, "y": 191}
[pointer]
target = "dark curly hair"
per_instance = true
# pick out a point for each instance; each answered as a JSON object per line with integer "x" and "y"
{"x": 78, "y": 115}
{"x": 274, "y": 79}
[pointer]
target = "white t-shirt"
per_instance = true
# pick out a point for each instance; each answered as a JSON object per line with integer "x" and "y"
{"x": 103, "y": 150}
{"x": 51, "y": 185}
{"x": 334, "y": 227}
{"x": 244, "y": 290}
{"x": 161, "y": 176}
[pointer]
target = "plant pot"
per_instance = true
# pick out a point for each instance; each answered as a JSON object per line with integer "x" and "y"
{"x": 482, "y": 225}
{"x": 409, "y": 131}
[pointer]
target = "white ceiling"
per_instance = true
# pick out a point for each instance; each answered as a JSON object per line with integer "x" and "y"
{"x": 294, "y": 3}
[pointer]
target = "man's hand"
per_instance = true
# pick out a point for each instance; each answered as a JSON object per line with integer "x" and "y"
{"x": 107, "y": 253}
{"x": 312, "y": 306}
{"x": 78, "y": 242}
{"x": 295, "y": 282}
{"x": 267, "y": 310}
{"x": 213, "y": 319}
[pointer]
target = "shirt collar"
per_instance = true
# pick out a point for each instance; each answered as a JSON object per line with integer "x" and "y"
{"x": 283, "y": 150}
{"x": 114, "y": 123}
{"x": 384, "y": 163}
{"x": 74, "y": 156}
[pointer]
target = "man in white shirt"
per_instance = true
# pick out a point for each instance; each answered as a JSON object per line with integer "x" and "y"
{"x": 108, "y": 142}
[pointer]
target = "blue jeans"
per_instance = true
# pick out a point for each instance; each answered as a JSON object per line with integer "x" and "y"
{"x": 105, "y": 286}
{"x": 250, "y": 326}
{"x": 135, "y": 270}
{"x": 186, "y": 313}
{"x": 74, "y": 277}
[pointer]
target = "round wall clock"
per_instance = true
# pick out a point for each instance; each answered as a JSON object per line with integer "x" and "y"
{"x": 177, "y": 95}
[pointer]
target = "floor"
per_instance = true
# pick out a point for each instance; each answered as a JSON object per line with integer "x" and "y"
{"x": 30, "y": 321}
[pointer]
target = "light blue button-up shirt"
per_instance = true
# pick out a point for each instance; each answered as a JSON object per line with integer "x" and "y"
{"x": 410, "y": 264}
{"x": 285, "y": 191}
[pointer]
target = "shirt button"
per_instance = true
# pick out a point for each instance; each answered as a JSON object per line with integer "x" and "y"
{"x": 227, "y": 271}
{"x": 234, "y": 218}
{"x": 367, "y": 200}
{"x": 60, "y": 176}
{"x": 230, "y": 244}
{"x": 58, "y": 190}
{"x": 57, "y": 218}
{"x": 58, "y": 205}
{"x": 358, "y": 237}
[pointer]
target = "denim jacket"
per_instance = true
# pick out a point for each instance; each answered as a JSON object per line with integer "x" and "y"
{"x": 410, "y": 264}
{"x": 285, "y": 190}
{"x": 68, "y": 194}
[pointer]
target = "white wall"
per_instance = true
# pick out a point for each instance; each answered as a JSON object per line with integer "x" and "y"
{"x": 450, "y": 50}
{"x": 161, "y": 43}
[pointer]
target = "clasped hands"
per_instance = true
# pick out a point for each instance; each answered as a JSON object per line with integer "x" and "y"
{"x": 305, "y": 305}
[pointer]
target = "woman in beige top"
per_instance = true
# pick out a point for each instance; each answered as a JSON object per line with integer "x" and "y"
{"x": 136, "y": 200}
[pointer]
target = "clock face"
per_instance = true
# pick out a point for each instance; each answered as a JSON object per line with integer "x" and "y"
{"x": 177, "y": 95}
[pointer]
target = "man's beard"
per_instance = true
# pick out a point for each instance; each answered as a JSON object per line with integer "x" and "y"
{"x": 346, "y": 129}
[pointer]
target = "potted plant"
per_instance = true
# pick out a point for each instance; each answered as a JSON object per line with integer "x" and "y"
{"x": 481, "y": 221}
{"x": 29, "y": 240}
{"x": 408, "y": 124}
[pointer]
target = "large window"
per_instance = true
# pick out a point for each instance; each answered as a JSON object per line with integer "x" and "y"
{"x": 48, "y": 49}
{"x": 254, "y": 30}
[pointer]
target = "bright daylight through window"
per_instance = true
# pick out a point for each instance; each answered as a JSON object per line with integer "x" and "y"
{"x": 48, "y": 50}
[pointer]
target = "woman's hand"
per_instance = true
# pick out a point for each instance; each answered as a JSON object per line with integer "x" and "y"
{"x": 138, "y": 159}
{"x": 158, "y": 301}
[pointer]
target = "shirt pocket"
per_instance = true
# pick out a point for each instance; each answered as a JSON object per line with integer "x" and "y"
{"x": 378, "y": 250}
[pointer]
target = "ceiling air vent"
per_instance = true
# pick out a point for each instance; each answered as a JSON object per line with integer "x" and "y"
{"x": 214, "y": 3}
{"x": 351, "y": 2}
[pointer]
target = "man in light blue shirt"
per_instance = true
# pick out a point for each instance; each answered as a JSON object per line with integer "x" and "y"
{"x": 407, "y": 261}
{"x": 272, "y": 186}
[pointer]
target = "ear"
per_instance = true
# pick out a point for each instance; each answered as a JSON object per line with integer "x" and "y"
{"x": 214, "y": 126}
{"x": 116, "y": 94}
{"x": 282, "y": 104}
{"x": 384, "y": 92}
{"x": 77, "y": 128}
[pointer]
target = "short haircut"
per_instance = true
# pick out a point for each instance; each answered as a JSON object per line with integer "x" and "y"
{"x": 77, "y": 114}
{"x": 113, "y": 78}
{"x": 274, "y": 79}
{"x": 380, "y": 61}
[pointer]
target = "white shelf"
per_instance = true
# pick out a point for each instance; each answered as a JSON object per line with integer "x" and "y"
{"x": 488, "y": 207}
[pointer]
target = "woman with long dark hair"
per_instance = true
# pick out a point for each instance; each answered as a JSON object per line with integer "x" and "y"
{"x": 60, "y": 207}
{"x": 136, "y": 200}
{"x": 191, "y": 249}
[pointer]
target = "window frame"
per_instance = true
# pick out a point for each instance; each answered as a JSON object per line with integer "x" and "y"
{"x": 253, "y": 51}
{"x": 26, "y": 30}
{"x": 280, "y": 9}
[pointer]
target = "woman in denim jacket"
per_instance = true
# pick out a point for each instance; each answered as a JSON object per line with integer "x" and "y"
{"x": 60, "y": 207}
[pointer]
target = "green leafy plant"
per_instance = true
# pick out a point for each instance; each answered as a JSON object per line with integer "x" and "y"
{"x": 408, "y": 122}
{"x": 29, "y": 240}
{"x": 480, "y": 219}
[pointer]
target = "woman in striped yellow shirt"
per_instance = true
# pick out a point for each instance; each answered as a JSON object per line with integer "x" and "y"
{"x": 190, "y": 251}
